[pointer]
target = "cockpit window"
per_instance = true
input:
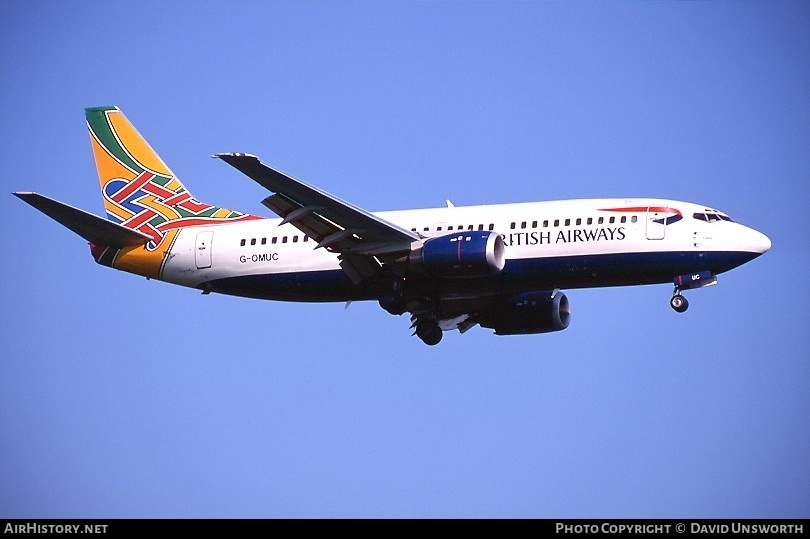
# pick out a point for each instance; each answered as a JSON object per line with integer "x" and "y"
{"x": 712, "y": 216}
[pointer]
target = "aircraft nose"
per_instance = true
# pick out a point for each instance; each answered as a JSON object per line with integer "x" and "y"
{"x": 758, "y": 242}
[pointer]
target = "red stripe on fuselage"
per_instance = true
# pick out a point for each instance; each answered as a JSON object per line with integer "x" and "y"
{"x": 642, "y": 209}
{"x": 191, "y": 221}
{"x": 150, "y": 231}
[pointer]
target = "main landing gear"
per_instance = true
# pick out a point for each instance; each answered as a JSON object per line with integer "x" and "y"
{"x": 423, "y": 319}
{"x": 429, "y": 331}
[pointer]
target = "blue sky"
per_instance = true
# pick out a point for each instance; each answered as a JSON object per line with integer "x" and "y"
{"x": 121, "y": 397}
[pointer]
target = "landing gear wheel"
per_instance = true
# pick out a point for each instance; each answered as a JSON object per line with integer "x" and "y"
{"x": 393, "y": 304}
{"x": 429, "y": 332}
{"x": 679, "y": 303}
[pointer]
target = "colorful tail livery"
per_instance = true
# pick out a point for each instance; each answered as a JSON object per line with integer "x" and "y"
{"x": 140, "y": 191}
{"x": 499, "y": 266}
{"x": 144, "y": 200}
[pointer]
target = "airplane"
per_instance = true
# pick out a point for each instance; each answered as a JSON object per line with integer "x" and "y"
{"x": 498, "y": 266}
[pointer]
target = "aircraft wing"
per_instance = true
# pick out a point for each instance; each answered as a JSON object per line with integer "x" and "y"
{"x": 334, "y": 224}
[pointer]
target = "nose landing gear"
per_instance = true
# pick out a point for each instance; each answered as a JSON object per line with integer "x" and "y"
{"x": 689, "y": 281}
{"x": 678, "y": 302}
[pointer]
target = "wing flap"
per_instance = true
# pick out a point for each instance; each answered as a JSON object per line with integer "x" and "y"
{"x": 305, "y": 219}
{"x": 94, "y": 229}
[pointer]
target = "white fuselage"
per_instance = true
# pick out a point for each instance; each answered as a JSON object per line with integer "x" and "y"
{"x": 573, "y": 231}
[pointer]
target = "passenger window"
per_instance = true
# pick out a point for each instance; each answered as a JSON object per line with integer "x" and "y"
{"x": 480, "y": 227}
{"x": 253, "y": 241}
{"x": 634, "y": 219}
{"x": 264, "y": 241}
{"x": 612, "y": 220}
{"x": 242, "y": 243}
{"x": 556, "y": 222}
{"x": 590, "y": 220}
{"x": 274, "y": 240}
{"x": 306, "y": 238}
{"x": 601, "y": 220}
{"x": 438, "y": 229}
{"x": 534, "y": 224}
{"x": 624, "y": 219}
{"x": 491, "y": 226}
{"x": 579, "y": 221}
{"x": 295, "y": 239}
{"x": 284, "y": 239}
{"x": 426, "y": 229}
{"x": 450, "y": 227}
{"x": 568, "y": 222}
{"x": 523, "y": 224}
{"x": 470, "y": 227}
{"x": 545, "y": 223}
{"x": 512, "y": 226}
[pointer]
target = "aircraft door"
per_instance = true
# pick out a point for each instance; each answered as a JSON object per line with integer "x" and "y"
{"x": 202, "y": 249}
{"x": 656, "y": 223}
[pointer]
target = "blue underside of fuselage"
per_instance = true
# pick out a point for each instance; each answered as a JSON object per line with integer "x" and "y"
{"x": 519, "y": 275}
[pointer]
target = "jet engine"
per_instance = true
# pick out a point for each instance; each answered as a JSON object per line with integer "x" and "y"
{"x": 464, "y": 254}
{"x": 530, "y": 312}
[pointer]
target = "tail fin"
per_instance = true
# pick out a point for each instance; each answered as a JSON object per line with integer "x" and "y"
{"x": 140, "y": 192}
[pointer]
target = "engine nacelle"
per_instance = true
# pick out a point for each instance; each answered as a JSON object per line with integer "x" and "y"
{"x": 464, "y": 254}
{"x": 531, "y": 312}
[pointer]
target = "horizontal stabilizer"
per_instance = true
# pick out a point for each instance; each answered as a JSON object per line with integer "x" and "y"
{"x": 96, "y": 230}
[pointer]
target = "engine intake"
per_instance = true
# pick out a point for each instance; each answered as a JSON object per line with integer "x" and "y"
{"x": 530, "y": 312}
{"x": 465, "y": 254}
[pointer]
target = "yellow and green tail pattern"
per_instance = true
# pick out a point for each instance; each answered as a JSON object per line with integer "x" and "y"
{"x": 140, "y": 192}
